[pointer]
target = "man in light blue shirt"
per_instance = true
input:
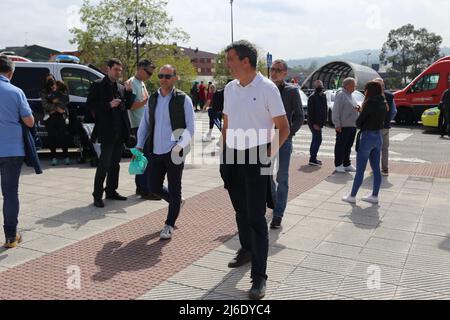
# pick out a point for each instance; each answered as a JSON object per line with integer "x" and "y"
{"x": 13, "y": 108}
{"x": 167, "y": 129}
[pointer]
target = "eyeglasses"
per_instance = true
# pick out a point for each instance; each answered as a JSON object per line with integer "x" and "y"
{"x": 277, "y": 70}
{"x": 165, "y": 76}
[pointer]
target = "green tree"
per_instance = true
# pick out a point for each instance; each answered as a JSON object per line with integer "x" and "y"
{"x": 185, "y": 69}
{"x": 105, "y": 35}
{"x": 221, "y": 72}
{"x": 410, "y": 51}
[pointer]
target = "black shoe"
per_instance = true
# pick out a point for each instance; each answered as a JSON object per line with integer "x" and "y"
{"x": 99, "y": 203}
{"x": 116, "y": 196}
{"x": 242, "y": 258}
{"x": 258, "y": 290}
{"x": 139, "y": 192}
{"x": 150, "y": 197}
{"x": 276, "y": 223}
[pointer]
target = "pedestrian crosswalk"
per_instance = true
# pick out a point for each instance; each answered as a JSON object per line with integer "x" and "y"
{"x": 302, "y": 141}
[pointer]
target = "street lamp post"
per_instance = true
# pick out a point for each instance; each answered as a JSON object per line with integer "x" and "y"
{"x": 137, "y": 33}
{"x": 232, "y": 22}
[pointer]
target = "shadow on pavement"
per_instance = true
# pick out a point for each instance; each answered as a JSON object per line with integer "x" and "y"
{"x": 309, "y": 169}
{"x": 445, "y": 245}
{"x": 115, "y": 257}
{"x": 371, "y": 213}
{"x": 368, "y": 182}
{"x": 78, "y": 217}
{"x": 339, "y": 178}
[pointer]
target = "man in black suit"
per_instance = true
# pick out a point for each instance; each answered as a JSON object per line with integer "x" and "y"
{"x": 110, "y": 102}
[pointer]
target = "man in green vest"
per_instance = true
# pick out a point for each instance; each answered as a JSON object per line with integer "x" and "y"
{"x": 167, "y": 128}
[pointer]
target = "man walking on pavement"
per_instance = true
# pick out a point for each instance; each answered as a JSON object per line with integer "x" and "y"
{"x": 144, "y": 72}
{"x": 317, "y": 118}
{"x": 387, "y": 127}
{"x": 345, "y": 113}
{"x": 14, "y": 109}
{"x": 294, "y": 112}
{"x": 252, "y": 107}
{"x": 168, "y": 126}
{"x": 110, "y": 102}
{"x": 445, "y": 110}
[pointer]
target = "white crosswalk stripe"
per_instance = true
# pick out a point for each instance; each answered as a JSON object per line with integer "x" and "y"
{"x": 302, "y": 141}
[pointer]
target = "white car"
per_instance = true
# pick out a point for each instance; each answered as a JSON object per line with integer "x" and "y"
{"x": 331, "y": 95}
{"x": 304, "y": 98}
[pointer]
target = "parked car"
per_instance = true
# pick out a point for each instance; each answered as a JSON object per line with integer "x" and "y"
{"x": 423, "y": 93}
{"x": 331, "y": 95}
{"x": 304, "y": 98}
{"x": 30, "y": 77}
{"x": 430, "y": 118}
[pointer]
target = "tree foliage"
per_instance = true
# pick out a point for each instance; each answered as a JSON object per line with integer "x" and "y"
{"x": 105, "y": 34}
{"x": 410, "y": 51}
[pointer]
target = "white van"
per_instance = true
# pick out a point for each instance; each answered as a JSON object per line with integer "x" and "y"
{"x": 30, "y": 77}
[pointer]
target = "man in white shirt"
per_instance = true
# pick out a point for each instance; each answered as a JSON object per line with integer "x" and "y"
{"x": 252, "y": 108}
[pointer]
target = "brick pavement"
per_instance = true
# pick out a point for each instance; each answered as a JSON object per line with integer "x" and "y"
{"x": 128, "y": 261}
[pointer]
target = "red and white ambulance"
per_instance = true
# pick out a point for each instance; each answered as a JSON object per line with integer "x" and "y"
{"x": 423, "y": 93}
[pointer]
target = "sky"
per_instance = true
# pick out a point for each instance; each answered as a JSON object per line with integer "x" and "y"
{"x": 289, "y": 29}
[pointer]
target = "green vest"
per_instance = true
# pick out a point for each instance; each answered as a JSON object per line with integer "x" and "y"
{"x": 177, "y": 116}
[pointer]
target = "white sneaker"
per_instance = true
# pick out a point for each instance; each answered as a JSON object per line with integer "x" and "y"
{"x": 371, "y": 199}
{"x": 207, "y": 138}
{"x": 166, "y": 233}
{"x": 350, "y": 169}
{"x": 340, "y": 169}
{"x": 349, "y": 199}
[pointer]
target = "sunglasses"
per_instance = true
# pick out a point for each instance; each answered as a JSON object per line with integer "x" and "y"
{"x": 149, "y": 73}
{"x": 165, "y": 76}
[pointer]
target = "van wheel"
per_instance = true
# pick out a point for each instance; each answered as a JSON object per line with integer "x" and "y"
{"x": 404, "y": 116}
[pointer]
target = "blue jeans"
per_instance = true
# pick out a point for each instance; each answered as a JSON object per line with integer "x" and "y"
{"x": 10, "y": 173}
{"x": 369, "y": 150}
{"x": 283, "y": 178}
{"x": 315, "y": 143}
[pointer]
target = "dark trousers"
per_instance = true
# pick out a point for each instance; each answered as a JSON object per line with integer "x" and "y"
{"x": 10, "y": 168}
{"x": 57, "y": 134}
{"x": 108, "y": 168}
{"x": 248, "y": 189}
{"x": 143, "y": 181}
{"x": 215, "y": 118}
{"x": 316, "y": 142}
{"x": 162, "y": 165}
{"x": 343, "y": 148}
{"x": 445, "y": 122}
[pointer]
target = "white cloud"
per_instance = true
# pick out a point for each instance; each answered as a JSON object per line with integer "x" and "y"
{"x": 288, "y": 28}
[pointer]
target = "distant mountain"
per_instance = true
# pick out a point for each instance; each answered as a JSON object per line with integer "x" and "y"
{"x": 359, "y": 57}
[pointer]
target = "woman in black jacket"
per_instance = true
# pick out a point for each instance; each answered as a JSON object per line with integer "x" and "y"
{"x": 370, "y": 122}
{"x": 55, "y": 100}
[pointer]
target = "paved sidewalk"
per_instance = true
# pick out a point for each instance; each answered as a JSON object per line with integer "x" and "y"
{"x": 324, "y": 251}
{"x": 330, "y": 250}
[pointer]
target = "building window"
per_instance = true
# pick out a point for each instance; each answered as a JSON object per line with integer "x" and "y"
{"x": 199, "y": 70}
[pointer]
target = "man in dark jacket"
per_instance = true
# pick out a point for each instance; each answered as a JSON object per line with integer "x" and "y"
{"x": 317, "y": 117}
{"x": 444, "y": 107}
{"x": 110, "y": 102}
{"x": 294, "y": 112}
